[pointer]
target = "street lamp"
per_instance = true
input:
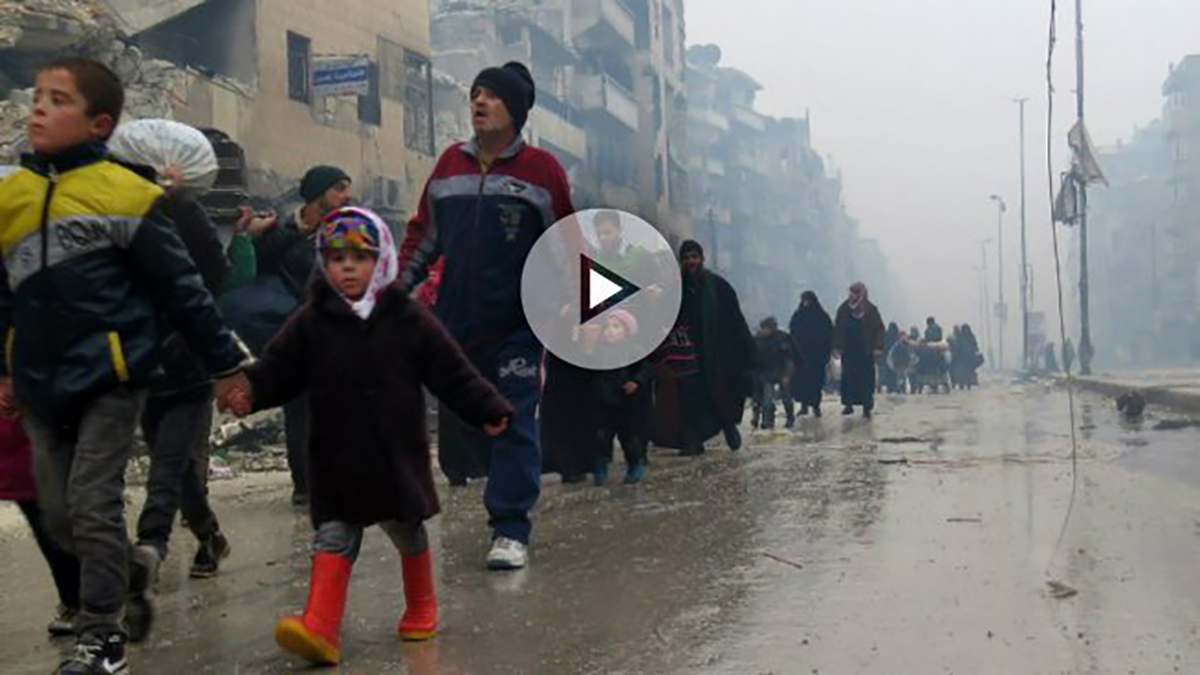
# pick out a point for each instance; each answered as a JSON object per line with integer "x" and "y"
{"x": 987, "y": 301}
{"x": 1026, "y": 286}
{"x": 1001, "y": 308}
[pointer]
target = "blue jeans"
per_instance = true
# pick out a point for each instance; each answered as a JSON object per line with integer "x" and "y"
{"x": 514, "y": 365}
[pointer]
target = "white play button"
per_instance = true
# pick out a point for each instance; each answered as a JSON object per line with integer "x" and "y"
{"x": 601, "y": 302}
{"x": 599, "y": 289}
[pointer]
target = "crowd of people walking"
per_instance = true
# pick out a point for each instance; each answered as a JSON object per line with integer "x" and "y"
{"x": 124, "y": 307}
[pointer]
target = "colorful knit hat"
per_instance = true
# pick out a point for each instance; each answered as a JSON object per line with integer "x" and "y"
{"x": 350, "y": 228}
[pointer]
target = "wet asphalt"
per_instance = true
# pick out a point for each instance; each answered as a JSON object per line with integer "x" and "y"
{"x": 918, "y": 542}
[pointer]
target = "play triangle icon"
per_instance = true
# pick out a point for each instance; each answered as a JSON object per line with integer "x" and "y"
{"x": 600, "y": 289}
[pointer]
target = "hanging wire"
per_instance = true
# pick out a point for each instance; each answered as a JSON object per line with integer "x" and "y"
{"x": 1062, "y": 322}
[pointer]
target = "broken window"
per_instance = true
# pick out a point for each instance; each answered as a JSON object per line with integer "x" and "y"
{"x": 370, "y": 107}
{"x": 299, "y": 55}
{"x": 418, "y": 103}
{"x": 215, "y": 37}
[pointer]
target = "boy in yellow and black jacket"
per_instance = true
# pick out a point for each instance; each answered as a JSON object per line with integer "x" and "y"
{"x": 91, "y": 266}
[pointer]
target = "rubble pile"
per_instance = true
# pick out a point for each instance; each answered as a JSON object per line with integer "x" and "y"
{"x": 152, "y": 86}
{"x": 15, "y": 14}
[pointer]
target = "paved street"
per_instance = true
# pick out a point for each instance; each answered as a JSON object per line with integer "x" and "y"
{"x": 914, "y": 543}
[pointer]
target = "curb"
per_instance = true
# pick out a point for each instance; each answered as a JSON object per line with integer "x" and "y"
{"x": 1157, "y": 396}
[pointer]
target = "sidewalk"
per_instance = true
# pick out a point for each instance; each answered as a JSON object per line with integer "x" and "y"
{"x": 1178, "y": 389}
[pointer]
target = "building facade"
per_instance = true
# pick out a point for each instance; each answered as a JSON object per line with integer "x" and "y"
{"x": 611, "y": 103}
{"x": 245, "y": 67}
{"x": 1144, "y": 232}
{"x": 768, "y": 210}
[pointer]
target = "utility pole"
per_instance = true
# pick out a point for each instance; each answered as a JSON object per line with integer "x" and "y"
{"x": 1086, "y": 350}
{"x": 1024, "y": 261}
{"x": 1001, "y": 308}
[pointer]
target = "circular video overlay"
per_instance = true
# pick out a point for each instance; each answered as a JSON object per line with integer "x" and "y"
{"x": 601, "y": 289}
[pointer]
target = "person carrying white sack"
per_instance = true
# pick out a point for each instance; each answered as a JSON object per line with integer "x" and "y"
{"x": 178, "y": 416}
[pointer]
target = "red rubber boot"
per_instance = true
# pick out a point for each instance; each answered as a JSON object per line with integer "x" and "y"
{"x": 315, "y": 635}
{"x": 420, "y": 620}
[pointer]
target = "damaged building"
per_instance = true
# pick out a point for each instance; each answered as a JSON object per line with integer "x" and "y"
{"x": 611, "y": 99}
{"x": 253, "y": 70}
{"x": 766, "y": 207}
{"x": 1143, "y": 241}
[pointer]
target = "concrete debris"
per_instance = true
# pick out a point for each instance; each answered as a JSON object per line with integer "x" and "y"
{"x": 153, "y": 86}
{"x": 1061, "y": 591}
{"x": 59, "y": 19}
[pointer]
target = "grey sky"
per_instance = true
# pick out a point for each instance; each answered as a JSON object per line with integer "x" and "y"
{"x": 912, "y": 100}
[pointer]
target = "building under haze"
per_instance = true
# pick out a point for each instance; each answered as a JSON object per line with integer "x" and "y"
{"x": 764, "y": 204}
{"x": 1145, "y": 235}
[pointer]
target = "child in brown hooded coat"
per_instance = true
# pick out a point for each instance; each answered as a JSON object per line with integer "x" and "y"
{"x": 363, "y": 349}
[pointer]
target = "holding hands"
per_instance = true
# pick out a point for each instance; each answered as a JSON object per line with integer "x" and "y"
{"x": 234, "y": 395}
{"x": 8, "y": 400}
{"x": 255, "y": 223}
{"x": 494, "y": 430}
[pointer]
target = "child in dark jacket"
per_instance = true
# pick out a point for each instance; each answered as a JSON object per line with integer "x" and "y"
{"x": 363, "y": 349}
{"x": 623, "y": 403}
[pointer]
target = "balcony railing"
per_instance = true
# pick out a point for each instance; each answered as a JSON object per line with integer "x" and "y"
{"x": 601, "y": 92}
{"x": 606, "y": 18}
{"x": 555, "y": 121}
{"x": 749, "y": 118}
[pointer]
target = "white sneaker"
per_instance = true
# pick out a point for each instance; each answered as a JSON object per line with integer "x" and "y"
{"x": 507, "y": 554}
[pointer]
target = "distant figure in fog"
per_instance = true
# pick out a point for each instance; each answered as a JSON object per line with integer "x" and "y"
{"x": 887, "y": 375}
{"x": 1068, "y": 355}
{"x": 777, "y": 359}
{"x": 901, "y": 359}
{"x": 812, "y": 333}
{"x": 858, "y": 338}
{"x": 965, "y": 359}
{"x": 1049, "y": 360}
{"x": 933, "y": 332}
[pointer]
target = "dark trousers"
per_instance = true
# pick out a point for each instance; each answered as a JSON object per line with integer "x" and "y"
{"x": 698, "y": 413}
{"x": 295, "y": 431}
{"x": 81, "y": 492}
{"x": 64, "y": 567}
{"x": 626, "y": 424}
{"x": 768, "y": 392}
{"x": 514, "y": 365}
{"x": 177, "y": 429}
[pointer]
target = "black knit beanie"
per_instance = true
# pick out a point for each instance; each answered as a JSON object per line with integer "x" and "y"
{"x": 690, "y": 246}
{"x": 318, "y": 180}
{"x": 513, "y": 83}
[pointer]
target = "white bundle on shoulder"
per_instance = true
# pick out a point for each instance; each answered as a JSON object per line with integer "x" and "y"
{"x": 181, "y": 155}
